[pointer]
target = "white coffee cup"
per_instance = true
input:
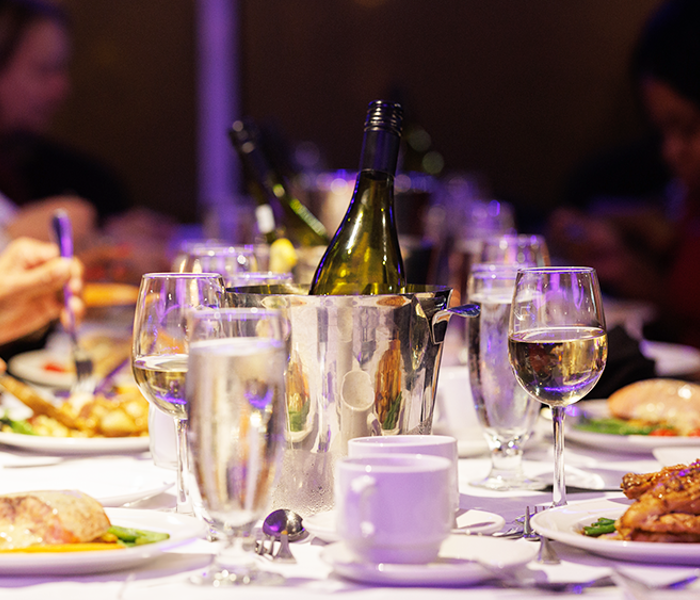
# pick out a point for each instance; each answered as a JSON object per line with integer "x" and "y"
{"x": 394, "y": 508}
{"x": 434, "y": 445}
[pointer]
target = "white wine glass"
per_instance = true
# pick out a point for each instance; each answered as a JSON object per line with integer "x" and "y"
{"x": 236, "y": 406}
{"x": 557, "y": 343}
{"x": 160, "y": 348}
{"x": 506, "y": 412}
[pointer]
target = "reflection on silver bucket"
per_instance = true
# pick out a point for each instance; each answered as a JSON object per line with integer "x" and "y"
{"x": 359, "y": 365}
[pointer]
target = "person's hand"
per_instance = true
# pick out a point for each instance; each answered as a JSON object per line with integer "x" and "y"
{"x": 34, "y": 220}
{"x": 32, "y": 277}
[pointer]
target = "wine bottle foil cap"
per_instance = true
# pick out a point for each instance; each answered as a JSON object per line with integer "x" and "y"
{"x": 384, "y": 115}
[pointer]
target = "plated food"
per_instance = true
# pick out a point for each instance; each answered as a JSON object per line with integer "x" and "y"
{"x": 62, "y": 521}
{"x": 666, "y": 508}
{"x": 121, "y": 413}
{"x": 653, "y": 407}
{"x": 53, "y": 366}
{"x": 564, "y": 524}
{"x": 671, "y": 405}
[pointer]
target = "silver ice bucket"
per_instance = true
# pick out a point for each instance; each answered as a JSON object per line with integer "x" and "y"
{"x": 358, "y": 365}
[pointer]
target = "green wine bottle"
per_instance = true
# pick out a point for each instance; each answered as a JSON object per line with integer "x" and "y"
{"x": 299, "y": 224}
{"x": 364, "y": 255}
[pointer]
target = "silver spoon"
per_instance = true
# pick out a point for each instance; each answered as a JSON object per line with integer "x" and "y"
{"x": 281, "y": 520}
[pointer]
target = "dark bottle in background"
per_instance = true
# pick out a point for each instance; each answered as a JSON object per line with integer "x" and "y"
{"x": 364, "y": 255}
{"x": 269, "y": 186}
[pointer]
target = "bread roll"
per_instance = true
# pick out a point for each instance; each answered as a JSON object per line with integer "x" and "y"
{"x": 50, "y": 517}
{"x": 670, "y": 401}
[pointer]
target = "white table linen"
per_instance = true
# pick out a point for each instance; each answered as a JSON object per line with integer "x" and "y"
{"x": 310, "y": 578}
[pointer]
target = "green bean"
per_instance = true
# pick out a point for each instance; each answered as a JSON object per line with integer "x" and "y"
{"x": 137, "y": 537}
{"x": 600, "y": 527}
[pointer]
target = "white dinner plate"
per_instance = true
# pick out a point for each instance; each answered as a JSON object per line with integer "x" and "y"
{"x": 31, "y": 366}
{"x": 565, "y": 522}
{"x": 182, "y": 529}
{"x": 113, "y": 481}
{"x": 672, "y": 360}
{"x": 90, "y": 446}
{"x": 669, "y": 457}
{"x": 322, "y": 524}
{"x": 461, "y": 562}
{"x": 633, "y": 444}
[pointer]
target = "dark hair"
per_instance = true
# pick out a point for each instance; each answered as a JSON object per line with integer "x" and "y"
{"x": 669, "y": 48}
{"x": 15, "y": 18}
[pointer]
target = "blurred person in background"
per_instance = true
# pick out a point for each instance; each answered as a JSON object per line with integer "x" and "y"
{"x": 638, "y": 217}
{"x": 39, "y": 174}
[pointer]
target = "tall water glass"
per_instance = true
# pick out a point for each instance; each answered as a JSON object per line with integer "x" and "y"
{"x": 160, "y": 348}
{"x": 236, "y": 391}
{"x": 557, "y": 343}
{"x": 506, "y": 412}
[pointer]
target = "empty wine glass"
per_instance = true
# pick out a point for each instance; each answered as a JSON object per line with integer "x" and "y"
{"x": 557, "y": 343}
{"x": 160, "y": 347}
{"x": 245, "y": 278}
{"x": 236, "y": 406}
{"x": 506, "y": 412}
{"x": 515, "y": 249}
{"x": 224, "y": 259}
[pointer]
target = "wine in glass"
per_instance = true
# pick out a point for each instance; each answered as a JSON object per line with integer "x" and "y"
{"x": 236, "y": 406}
{"x": 160, "y": 348}
{"x": 506, "y": 412}
{"x": 557, "y": 343}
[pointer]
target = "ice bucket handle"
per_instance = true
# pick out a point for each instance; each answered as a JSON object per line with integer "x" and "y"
{"x": 442, "y": 317}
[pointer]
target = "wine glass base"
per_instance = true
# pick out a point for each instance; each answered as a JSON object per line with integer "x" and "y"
{"x": 500, "y": 483}
{"x": 226, "y": 578}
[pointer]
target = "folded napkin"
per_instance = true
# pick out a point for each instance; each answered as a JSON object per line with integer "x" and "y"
{"x": 626, "y": 364}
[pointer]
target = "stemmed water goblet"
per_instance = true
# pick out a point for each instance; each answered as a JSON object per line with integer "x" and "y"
{"x": 505, "y": 411}
{"x": 160, "y": 348}
{"x": 557, "y": 343}
{"x": 236, "y": 406}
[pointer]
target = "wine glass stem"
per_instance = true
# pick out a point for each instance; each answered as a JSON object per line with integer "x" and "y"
{"x": 183, "y": 497}
{"x": 559, "y": 488}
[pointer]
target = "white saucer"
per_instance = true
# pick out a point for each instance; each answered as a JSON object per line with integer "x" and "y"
{"x": 463, "y": 560}
{"x": 322, "y": 525}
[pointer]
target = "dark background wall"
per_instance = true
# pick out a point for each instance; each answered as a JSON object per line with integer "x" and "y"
{"x": 520, "y": 90}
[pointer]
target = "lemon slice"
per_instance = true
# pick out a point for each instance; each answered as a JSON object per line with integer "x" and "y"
{"x": 283, "y": 256}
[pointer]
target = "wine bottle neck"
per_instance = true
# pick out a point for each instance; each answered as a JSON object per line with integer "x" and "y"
{"x": 380, "y": 151}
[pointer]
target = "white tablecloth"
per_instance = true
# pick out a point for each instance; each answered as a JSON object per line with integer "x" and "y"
{"x": 166, "y": 577}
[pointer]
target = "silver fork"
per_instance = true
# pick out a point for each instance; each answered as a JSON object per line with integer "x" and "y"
{"x": 546, "y": 554}
{"x": 63, "y": 233}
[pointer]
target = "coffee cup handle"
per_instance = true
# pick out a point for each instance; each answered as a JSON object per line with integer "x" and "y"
{"x": 361, "y": 488}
